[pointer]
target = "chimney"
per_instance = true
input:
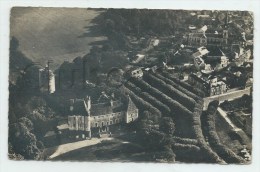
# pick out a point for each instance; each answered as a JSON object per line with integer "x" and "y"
{"x": 111, "y": 103}
{"x": 71, "y": 104}
{"x": 88, "y": 102}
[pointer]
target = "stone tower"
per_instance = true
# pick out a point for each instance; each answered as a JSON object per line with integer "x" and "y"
{"x": 46, "y": 80}
{"x": 87, "y": 103}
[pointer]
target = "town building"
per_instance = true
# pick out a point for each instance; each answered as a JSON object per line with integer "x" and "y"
{"x": 224, "y": 61}
{"x": 210, "y": 85}
{"x": 87, "y": 118}
{"x": 198, "y": 39}
{"x": 137, "y": 73}
{"x": 46, "y": 80}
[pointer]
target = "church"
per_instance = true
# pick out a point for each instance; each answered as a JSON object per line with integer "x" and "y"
{"x": 86, "y": 118}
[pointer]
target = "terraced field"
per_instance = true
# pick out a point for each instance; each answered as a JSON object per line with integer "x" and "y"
{"x": 165, "y": 96}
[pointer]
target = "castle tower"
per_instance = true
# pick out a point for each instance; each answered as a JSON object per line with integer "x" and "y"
{"x": 46, "y": 80}
{"x": 87, "y": 103}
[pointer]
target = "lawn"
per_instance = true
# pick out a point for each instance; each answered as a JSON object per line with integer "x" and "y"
{"x": 115, "y": 150}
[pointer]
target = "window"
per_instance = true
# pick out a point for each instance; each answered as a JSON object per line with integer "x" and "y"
{"x": 102, "y": 123}
{"x": 111, "y": 122}
{"x": 96, "y": 124}
{"x": 107, "y": 123}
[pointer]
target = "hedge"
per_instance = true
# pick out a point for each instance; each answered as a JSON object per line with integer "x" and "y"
{"x": 212, "y": 156}
{"x": 184, "y": 84}
{"x": 227, "y": 154}
{"x": 169, "y": 90}
{"x": 185, "y": 140}
{"x": 177, "y": 86}
{"x": 189, "y": 147}
{"x": 147, "y": 97}
{"x": 175, "y": 106}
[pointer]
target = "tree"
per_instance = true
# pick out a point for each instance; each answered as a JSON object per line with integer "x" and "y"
{"x": 23, "y": 141}
{"x": 167, "y": 125}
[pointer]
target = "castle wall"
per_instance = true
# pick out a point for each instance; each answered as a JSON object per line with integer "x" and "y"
{"x": 108, "y": 119}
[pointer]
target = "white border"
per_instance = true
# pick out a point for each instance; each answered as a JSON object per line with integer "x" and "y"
{"x": 7, "y": 165}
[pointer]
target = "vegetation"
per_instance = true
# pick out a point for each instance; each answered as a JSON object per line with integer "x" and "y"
{"x": 169, "y": 90}
{"x": 176, "y": 107}
{"x": 177, "y": 86}
{"x": 227, "y": 154}
{"x": 30, "y": 116}
{"x": 162, "y": 107}
{"x": 184, "y": 84}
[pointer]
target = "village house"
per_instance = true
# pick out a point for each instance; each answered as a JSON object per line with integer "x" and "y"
{"x": 87, "y": 118}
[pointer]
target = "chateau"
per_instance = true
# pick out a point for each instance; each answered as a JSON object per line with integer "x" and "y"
{"x": 86, "y": 117}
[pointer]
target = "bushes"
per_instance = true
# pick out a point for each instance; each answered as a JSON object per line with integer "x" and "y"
{"x": 177, "y": 86}
{"x": 178, "y": 111}
{"x": 147, "y": 97}
{"x": 175, "y": 106}
{"x": 208, "y": 152}
{"x": 184, "y": 84}
{"x": 188, "y": 147}
{"x": 169, "y": 90}
{"x": 227, "y": 154}
{"x": 185, "y": 140}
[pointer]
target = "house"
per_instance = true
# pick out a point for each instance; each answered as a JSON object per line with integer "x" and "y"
{"x": 198, "y": 62}
{"x": 138, "y": 58}
{"x": 217, "y": 87}
{"x": 224, "y": 61}
{"x": 202, "y": 51}
{"x": 86, "y": 118}
{"x": 136, "y": 73}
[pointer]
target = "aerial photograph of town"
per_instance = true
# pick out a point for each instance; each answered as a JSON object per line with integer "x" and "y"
{"x": 130, "y": 85}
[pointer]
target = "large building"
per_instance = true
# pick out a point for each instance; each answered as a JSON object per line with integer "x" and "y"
{"x": 46, "y": 80}
{"x": 86, "y": 117}
{"x": 202, "y": 38}
{"x": 211, "y": 86}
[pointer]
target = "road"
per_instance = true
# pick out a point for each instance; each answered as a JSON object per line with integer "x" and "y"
{"x": 65, "y": 148}
{"x": 230, "y": 123}
{"x": 226, "y": 96}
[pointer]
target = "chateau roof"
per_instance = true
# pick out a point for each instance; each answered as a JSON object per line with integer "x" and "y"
{"x": 131, "y": 106}
{"x": 80, "y": 107}
{"x": 106, "y": 108}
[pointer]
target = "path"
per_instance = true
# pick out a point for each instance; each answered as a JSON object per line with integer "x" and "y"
{"x": 225, "y": 96}
{"x": 65, "y": 148}
{"x": 230, "y": 123}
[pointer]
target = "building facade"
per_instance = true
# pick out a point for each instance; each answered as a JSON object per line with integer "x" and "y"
{"x": 199, "y": 39}
{"x": 211, "y": 86}
{"x": 86, "y": 117}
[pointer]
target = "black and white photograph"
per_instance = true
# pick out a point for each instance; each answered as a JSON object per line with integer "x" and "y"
{"x": 130, "y": 85}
